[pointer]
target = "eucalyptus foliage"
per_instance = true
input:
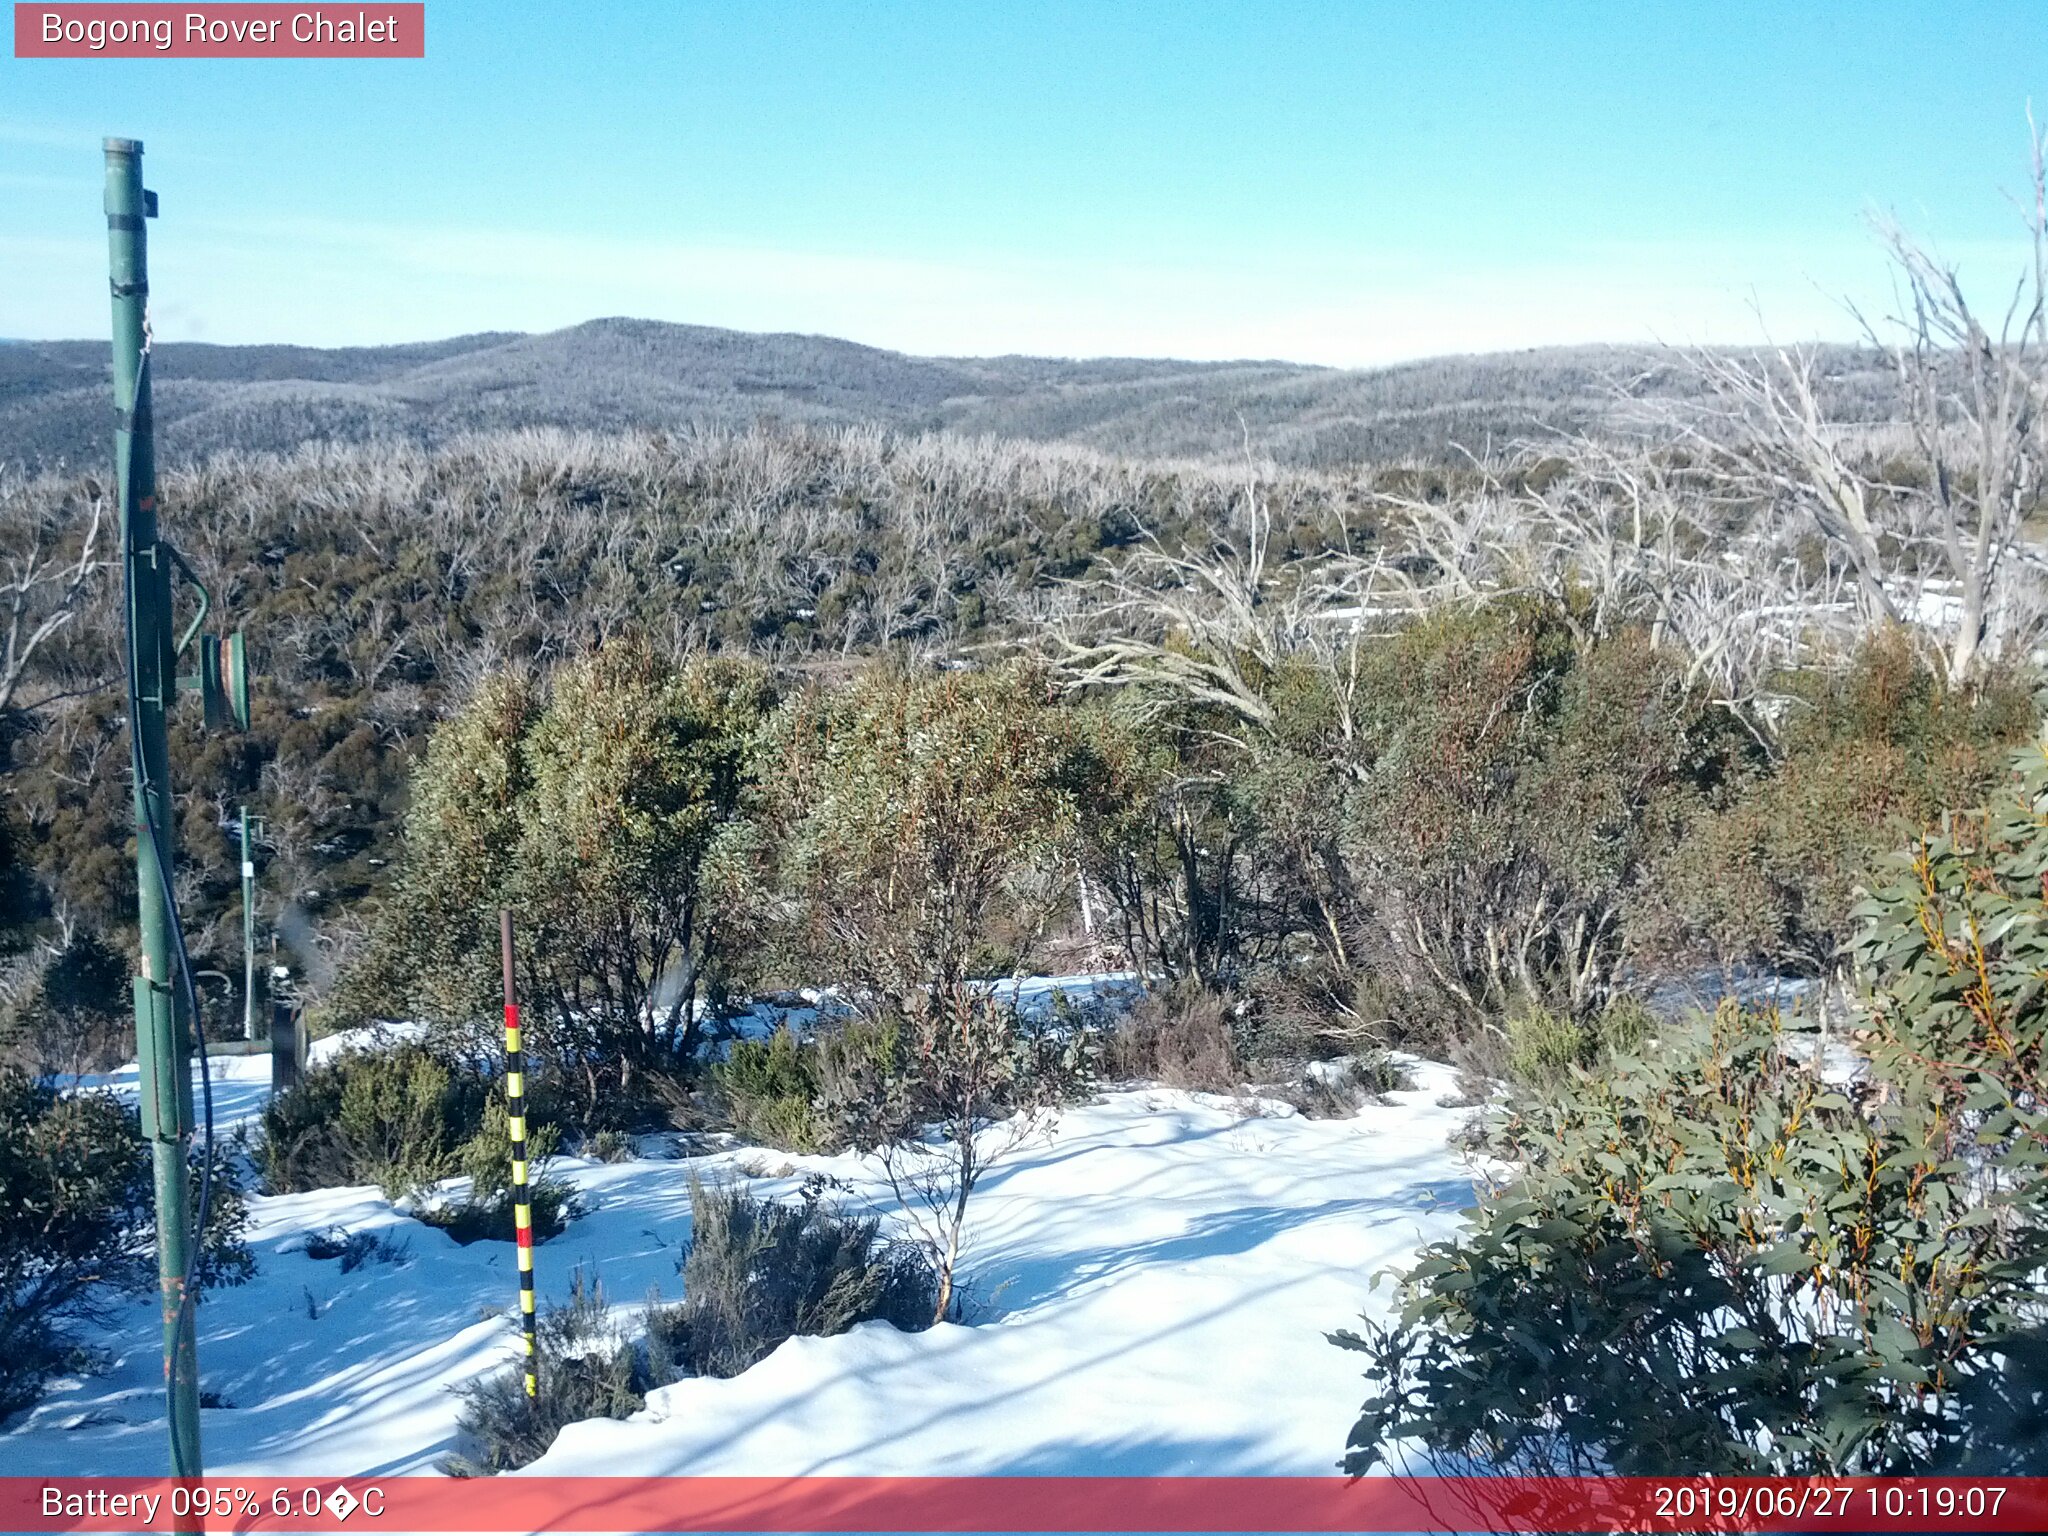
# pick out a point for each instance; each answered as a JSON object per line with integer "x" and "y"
{"x": 608, "y": 810}
{"x": 1715, "y": 1258}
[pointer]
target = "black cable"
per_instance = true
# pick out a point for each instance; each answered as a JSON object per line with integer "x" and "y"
{"x": 181, "y": 957}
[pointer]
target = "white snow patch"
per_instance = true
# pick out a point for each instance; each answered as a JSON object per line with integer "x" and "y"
{"x": 1149, "y": 1292}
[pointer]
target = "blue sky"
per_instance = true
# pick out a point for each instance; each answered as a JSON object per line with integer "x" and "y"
{"x": 1346, "y": 183}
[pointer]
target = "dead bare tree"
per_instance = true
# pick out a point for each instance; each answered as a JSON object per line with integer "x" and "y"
{"x": 1936, "y": 541}
{"x": 1616, "y": 534}
{"x": 1208, "y": 626}
{"x": 44, "y": 582}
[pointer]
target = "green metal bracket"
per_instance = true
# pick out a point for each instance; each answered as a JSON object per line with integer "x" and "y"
{"x": 223, "y": 682}
{"x": 238, "y": 681}
{"x": 213, "y": 697}
{"x": 165, "y": 1094}
{"x": 205, "y": 597}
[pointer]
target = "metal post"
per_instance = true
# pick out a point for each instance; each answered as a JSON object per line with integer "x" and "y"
{"x": 287, "y": 1042}
{"x": 162, "y": 1031}
{"x": 248, "y": 933}
{"x": 515, "y": 1127}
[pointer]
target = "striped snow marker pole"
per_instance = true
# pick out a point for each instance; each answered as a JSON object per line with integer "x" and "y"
{"x": 515, "y": 1125}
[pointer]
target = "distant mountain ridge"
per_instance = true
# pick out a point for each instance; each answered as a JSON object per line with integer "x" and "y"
{"x": 621, "y": 374}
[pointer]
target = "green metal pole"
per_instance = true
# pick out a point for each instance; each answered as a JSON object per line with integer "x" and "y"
{"x": 248, "y": 933}
{"x": 162, "y": 1032}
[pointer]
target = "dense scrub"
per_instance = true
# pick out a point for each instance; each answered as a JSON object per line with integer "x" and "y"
{"x": 760, "y": 1272}
{"x": 1863, "y": 754}
{"x": 396, "y": 1118}
{"x": 1714, "y": 1258}
{"x": 1483, "y": 834}
{"x": 606, "y": 811}
{"x": 80, "y": 1235}
{"x": 378, "y": 582}
{"x": 405, "y": 1117}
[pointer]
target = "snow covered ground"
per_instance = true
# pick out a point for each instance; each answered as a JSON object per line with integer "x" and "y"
{"x": 1149, "y": 1290}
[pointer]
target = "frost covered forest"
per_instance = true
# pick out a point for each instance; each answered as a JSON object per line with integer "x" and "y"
{"x": 985, "y": 903}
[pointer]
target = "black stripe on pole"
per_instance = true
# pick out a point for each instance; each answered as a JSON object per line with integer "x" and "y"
{"x": 515, "y": 1124}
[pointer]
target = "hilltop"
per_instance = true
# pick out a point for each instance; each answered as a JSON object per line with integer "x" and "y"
{"x": 617, "y": 374}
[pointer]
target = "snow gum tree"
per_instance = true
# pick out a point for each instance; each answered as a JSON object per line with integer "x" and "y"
{"x": 607, "y": 809}
{"x": 927, "y": 824}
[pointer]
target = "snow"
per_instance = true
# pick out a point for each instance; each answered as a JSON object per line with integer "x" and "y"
{"x": 1036, "y": 998}
{"x": 1149, "y": 1289}
{"x": 241, "y": 1084}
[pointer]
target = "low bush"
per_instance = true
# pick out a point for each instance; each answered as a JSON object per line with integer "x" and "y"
{"x": 80, "y": 1230}
{"x": 767, "y": 1089}
{"x": 1178, "y": 1034}
{"x": 609, "y": 1146}
{"x": 1867, "y": 757}
{"x": 759, "y": 1272}
{"x": 1340, "y": 1089}
{"x": 357, "y": 1250}
{"x": 586, "y": 1370}
{"x": 486, "y": 1211}
{"x": 785, "y": 1092}
{"x": 395, "y": 1118}
{"x": 1538, "y": 1050}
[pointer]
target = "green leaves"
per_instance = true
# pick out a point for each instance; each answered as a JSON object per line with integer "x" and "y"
{"x": 1716, "y": 1262}
{"x": 613, "y": 811}
{"x": 1713, "y": 1262}
{"x": 75, "y": 1182}
{"x": 927, "y": 822}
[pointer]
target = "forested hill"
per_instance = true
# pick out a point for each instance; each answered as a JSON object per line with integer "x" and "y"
{"x": 614, "y": 374}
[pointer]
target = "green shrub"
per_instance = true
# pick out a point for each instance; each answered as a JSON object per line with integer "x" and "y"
{"x": 1867, "y": 757}
{"x": 788, "y": 1093}
{"x": 1337, "y": 1091}
{"x": 1543, "y": 1046}
{"x": 585, "y": 1369}
{"x": 80, "y": 1230}
{"x": 356, "y": 1250}
{"x": 1540, "y": 1050}
{"x": 608, "y": 806}
{"x": 609, "y": 1146}
{"x": 925, "y": 822}
{"x": 393, "y": 1125}
{"x": 485, "y": 1159}
{"x": 1718, "y": 1261}
{"x": 395, "y": 1118}
{"x": 768, "y": 1088}
{"x": 759, "y": 1272}
{"x": 486, "y": 1212}
{"x": 1514, "y": 791}
{"x": 1955, "y": 943}
{"x": 1177, "y": 1034}
{"x": 1714, "y": 1263}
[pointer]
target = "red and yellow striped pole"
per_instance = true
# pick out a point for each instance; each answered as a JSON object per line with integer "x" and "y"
{"x": 515, "y": 1125}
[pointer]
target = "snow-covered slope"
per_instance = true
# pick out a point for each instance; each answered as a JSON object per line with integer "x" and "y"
{"x": 1149, "y": 1292}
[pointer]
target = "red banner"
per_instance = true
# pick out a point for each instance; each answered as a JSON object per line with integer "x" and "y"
{"x": 372, "y": 31}
{"x": 1053, "y": 1504}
